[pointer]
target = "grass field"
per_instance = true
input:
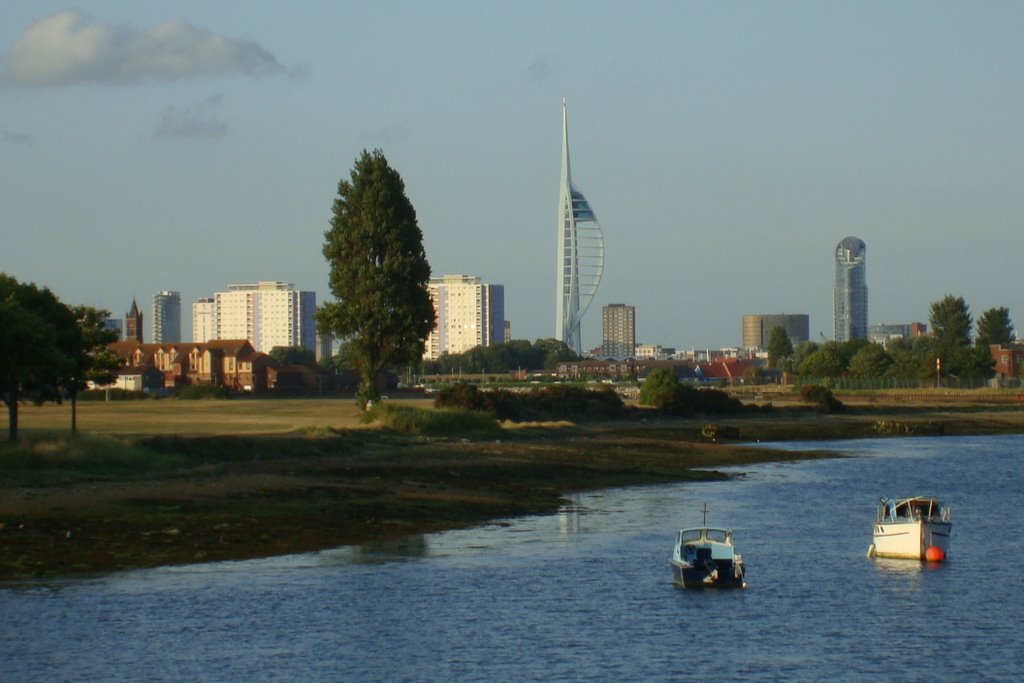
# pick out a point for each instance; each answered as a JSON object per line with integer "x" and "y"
{"x": 238, "y": 417}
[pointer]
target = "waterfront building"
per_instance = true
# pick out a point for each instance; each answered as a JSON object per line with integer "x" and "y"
{"x": 580, "y": 251}
{"x": 468, "y": 312}
{"x": 167, "y": 317}
{"x": 758, "y": 327}
{"x": 618, "y": 331}
{"x": 204, "y": 320}
{"x": 133, "y": 323}
{"x": 850, "y": 294}
{"x": 266, "y": 313}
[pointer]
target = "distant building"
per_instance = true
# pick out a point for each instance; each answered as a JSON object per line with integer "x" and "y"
{"x": 883, "y": 334}
{"x": 1009, "y": 359}
{"x": 166, "y": 317}
{"x": 324, "y": 347}
{"x": 469, "y": 313}
{"x": 850, "y": 294}
{"x": 204, "y": 320}
{"x": 115, "y": 325}
{"x": 133, "y": 323}
{"x": 618, "y": 331}
{"x": 758, "y": 327}
{"x": 653, "y": 352}
{"x": 268, "y": 314}
{"x": 580, "y": 253}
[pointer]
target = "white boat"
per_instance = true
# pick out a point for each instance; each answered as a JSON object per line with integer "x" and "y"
{"x": 704, "y": 557}
{"x": 914, "y": 528}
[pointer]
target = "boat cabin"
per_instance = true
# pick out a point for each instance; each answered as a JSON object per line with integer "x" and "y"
{"x": 892, "y": 510}
{"x": 705, "y": 535}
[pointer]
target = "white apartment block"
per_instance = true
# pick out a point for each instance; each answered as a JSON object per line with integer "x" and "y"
{"x": 266, "y": 313}
{"x": 469, "y": 313}
{"x": 204, "y": 321}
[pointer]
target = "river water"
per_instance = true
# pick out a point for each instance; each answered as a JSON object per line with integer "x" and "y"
{"x": 585, "y": 594}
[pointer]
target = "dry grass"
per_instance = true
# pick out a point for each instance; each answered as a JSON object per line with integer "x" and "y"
{"x": 238, "y": 417}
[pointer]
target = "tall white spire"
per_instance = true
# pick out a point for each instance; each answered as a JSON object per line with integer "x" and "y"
{"x": 580, "y": 253}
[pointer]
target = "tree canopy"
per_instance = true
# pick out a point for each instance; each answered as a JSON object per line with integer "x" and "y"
{"x": 40, "y": 342}
{"x": 994, "y": 327}
{"x": 293, "y": 355}
{"x": 378, "y": 273}
{"x": 517, "y": 354}
{"x": 780, "y": 349}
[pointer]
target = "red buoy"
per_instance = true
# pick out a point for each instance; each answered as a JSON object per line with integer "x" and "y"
{"x": 934, "y": 554}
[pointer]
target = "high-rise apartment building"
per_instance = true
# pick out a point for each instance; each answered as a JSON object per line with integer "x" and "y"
{"x": 757, "y": 328}
{"x": 618, "y": 331}
{"x": 167, "y": 317}
{"x": 469, "y": 313}
{"x": 850, "y": 294}
{"x": 204, "y": 320}
{"x": 133, "y": 323}
{"x": 266, "y": 313}
{"x": 580, "y": 253}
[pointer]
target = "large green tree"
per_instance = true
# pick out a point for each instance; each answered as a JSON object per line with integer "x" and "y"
{"x": 994, "y": 327}
{"x": 378, "y": 273}
{"x": 825, "y": 362}
{"x": 871, "y": 361}
{"x": 37, "y": 338}
{"x": 780, "y": 349}
{"x": 951, "y": 323}
{"x": 92, "y": 361}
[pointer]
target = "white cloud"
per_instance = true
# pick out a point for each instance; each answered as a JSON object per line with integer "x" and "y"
{"x": 195, "y": 121}
{"x": 68, "y": 48}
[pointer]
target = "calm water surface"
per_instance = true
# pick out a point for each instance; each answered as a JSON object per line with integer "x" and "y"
{"x": 585, "y": 594}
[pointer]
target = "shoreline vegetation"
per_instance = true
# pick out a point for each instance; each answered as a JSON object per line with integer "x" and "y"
{"x": 151, "y": 483}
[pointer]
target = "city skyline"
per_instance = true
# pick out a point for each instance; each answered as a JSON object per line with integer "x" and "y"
{"x": 726, "y": 149}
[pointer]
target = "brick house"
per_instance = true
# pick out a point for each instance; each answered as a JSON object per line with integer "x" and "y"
{"x": 1009, "y": 359}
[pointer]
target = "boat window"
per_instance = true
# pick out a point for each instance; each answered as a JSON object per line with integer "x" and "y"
{"x": 718, "y": 535}
{"x": 689, "y": 535}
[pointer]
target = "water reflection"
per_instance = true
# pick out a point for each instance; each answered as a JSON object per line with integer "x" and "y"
{"x": 409, "y": 548}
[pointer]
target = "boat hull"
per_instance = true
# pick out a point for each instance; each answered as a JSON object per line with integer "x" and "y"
{"x": 724, "y": 574}
{"x": 910, "y": 540}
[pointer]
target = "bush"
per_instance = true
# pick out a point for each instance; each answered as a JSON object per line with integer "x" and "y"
{"x": 112, "y": 395}
{"x": 658, "y": 388}
{"x": 437, "y": 422}
{"x": 687, "y": 400}
{"x": 663, "y": 390}
{"x": 821, "y": 397}
{"x": 556, "y": 402}
{"x": 198, "y": 392}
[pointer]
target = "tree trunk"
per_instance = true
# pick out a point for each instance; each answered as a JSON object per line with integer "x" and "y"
{"x": 74, "y": 412}
{"x": 11, "y": 399}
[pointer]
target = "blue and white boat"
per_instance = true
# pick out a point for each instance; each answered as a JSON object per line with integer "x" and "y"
{"x": 704, "y": 557}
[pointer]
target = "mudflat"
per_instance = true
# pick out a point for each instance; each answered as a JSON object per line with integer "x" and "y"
{"x": 167, "y": 482}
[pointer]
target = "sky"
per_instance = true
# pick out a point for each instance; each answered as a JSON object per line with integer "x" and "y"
{"x": 726, "y": 147}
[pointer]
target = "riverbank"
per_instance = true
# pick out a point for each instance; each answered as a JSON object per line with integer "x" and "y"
{"x": 266, "y": 478}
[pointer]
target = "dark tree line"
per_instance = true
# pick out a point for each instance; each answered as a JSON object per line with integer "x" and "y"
{"x": 48, "y": 350}
{"x": 949, "y": 350}
{"x": 518, "y": 354}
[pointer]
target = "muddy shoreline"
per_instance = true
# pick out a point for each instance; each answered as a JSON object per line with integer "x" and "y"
{"x": 280, "y": 494}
